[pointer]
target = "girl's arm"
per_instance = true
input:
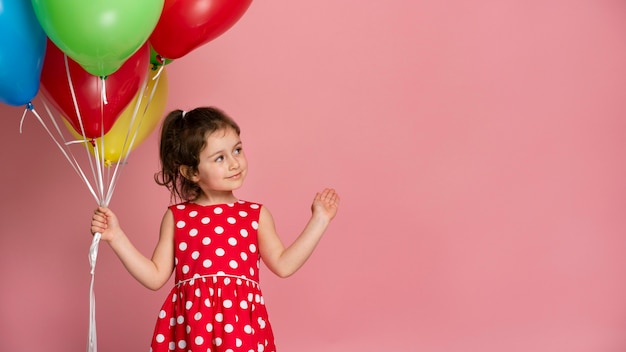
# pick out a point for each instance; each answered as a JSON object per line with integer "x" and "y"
{"x": 286, "y": 261}
{"x": 152, "y": 273}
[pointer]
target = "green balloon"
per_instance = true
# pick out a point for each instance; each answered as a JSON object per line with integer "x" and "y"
{"x": 156, "y": 60}
{"x": 98, "y": 35}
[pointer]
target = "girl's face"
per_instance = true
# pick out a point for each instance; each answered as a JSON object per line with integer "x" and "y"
{"x": 223, "y": 165}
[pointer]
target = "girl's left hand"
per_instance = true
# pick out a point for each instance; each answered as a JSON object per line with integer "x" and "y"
{"x": 326, "y": 203}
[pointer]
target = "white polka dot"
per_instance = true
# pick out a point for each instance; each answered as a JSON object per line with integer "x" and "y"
{"x": 182, "y": 344}
{"x": 180, "y": 319}
{"x": 197, "y": 316}
{"x": 232, "y": 241}
{"x": 244, "y": 256}
{"x": 205, "y": 220}
{"x": 238, "y": 342}
{"x": 162, "y": 314}
{"x": 207, "y": 302}
{"x": 180, "y": 206}
{"x": 243, "y": 214}
{"x": 172, "y": 321}
{"x": 180, "y": 224}
{"x": 218, "y": 341}
{"x": 160, "y": 338}
{"x": 231, "y": 220}
{"x": 185, "y": 269}
{"x": 174, "y": 298}
{"x": 247, "y": 329}
{"x": 219, "y": 230}
{"x": 199, "y": 340}
{"x": 251, "y": 272}
{"x": 193, "y": 214}
{"x": 188, "y": 305}
{"x": 182, "y": 246}
{"x": 254, "y": 206}
{"x": 218, "y": 210}
{"x": 198, "y": 292}
{"x": 206, "y": 241}
{"x": 220, "y": 252}
{"x": 209, "y": 327}
{"x": 195, "y": 255}
{"x": 243, "y": 305}
{"x": 255, "y": 225}
{"x": 227, "y": 303}
{"x": 233, "y": 264}
{"x": 243, "y": 233}
{"x": 207, "y": 263}
{"x": 229, "y": 328}
{"x": 219, "y": 317}
{"x": 226, "y": 281}
{"x": 252, "y": 248}
{"x": 193, "y": 232}
{"x": 261, "y": 348}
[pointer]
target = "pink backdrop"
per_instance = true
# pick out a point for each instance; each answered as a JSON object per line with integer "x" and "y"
{"x": 479, "y": 148}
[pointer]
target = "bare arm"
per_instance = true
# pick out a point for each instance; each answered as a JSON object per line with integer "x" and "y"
{"x": 152, "y": 273}
{"x": 284, "y": 261}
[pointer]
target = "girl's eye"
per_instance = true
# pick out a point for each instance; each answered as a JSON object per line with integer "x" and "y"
{"x": 219, "y": 158}
{"x": 238, "y": 150}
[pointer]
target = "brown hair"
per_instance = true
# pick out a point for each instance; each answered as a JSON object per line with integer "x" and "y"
{"x": 183, "y": 136}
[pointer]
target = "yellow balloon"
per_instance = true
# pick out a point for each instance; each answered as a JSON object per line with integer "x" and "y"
{"x": 116, "y": 144}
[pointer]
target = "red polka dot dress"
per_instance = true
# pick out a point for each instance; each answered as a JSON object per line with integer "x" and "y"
{"x": 216, "y": 304}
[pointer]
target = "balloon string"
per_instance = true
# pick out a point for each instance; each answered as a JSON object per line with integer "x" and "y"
{"x": 96, "y": 171}
{"x": 158, "y": 72}
{"x": 104, "y": 90}
{"x": 71, "y": 159}
{"x": 92, "y": 345}
{"x": 126, "y": 150}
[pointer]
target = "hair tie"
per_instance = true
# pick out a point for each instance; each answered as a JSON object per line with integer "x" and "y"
{"x": 184, "y": 113}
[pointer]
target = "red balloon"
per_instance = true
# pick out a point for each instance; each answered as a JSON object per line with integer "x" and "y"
{"x": 97, "y": 117}
{"x": 187, "y": 24}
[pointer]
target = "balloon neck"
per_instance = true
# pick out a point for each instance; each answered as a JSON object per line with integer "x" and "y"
{"x": 30, "y": 106}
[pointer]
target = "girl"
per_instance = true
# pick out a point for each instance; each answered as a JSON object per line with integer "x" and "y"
{"x": 212, "y": 240}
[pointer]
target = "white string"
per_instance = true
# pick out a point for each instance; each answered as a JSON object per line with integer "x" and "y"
{"x": 92, "y": 344}
{"x": 159, "y": 72}
{"x": 104, "y": 90}
{"x": 96, "y": 173}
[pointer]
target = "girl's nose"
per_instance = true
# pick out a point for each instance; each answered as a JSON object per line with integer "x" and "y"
{"x": 234, "y": 163}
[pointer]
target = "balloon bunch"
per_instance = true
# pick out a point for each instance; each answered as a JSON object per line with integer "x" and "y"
{"x": 101, "y": 67}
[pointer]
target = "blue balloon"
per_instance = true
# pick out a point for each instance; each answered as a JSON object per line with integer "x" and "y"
{"x": 22, "y": 49}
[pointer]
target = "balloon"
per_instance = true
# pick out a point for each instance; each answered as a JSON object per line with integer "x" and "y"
{"x": 115, "y": 143}
{"x": 97, "y": 117}
{"x": 186, "y": 25}
{"x": 100, "y": 35}
{"x": 22, "y": 48}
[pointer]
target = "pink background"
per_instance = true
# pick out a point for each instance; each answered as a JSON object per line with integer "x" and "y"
{"x": 479, "y": 148}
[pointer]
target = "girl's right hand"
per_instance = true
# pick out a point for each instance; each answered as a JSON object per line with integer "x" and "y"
{"x": 105, "y": 222}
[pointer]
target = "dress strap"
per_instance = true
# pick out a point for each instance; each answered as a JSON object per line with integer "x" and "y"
{"x": 214, "y": 276}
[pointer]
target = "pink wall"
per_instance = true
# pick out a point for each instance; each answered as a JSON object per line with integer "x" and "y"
{"x": 479, "y": 149}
